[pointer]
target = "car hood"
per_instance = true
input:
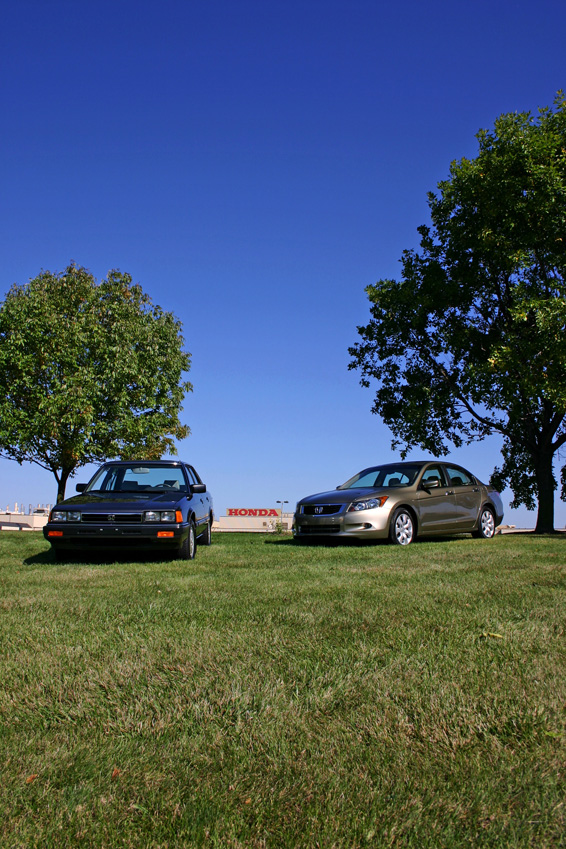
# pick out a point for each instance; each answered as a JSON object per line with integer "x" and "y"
{"x": 340, "y": 496}
{"x": 91, "y": 502}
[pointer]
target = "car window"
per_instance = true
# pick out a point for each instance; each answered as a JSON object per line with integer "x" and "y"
{"x": 385, "y": 476}
{"x": 433, "y": 473}
{"x": 153, "y": 477}
{"x": 458, "y": 477}
{"x": 192, "y": 475}
{"x": 364, "y": 480}
{"x": 139, "y": 478}
{"x": 396, "y": 478}
{"x": 106, "y": 480}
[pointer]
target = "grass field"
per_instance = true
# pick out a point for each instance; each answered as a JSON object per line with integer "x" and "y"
{"x": 269, "y": 695}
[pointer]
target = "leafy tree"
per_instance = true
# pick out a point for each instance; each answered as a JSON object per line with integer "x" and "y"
{"x": 88, "y": 371}
{"x": 471, "y": 340}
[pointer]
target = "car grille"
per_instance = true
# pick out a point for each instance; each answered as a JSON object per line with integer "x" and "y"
{"x": 320, "y": 509}
{"x": 112, "y": 518}
{"x": 319, "y": 529}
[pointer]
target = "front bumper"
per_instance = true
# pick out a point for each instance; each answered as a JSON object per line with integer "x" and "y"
{"x": 72, "y": 537}
{"x": 365, "y": 524}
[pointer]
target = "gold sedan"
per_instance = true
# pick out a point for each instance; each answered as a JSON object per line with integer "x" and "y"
{"x": 400, "y": 501}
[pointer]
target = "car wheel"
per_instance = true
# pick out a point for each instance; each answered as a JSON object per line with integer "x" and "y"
{"x": 206, "y": 537}
{"x": 402, "y": 528}
{"x": 486, "y": 527}
{"x": 188, "y": 547}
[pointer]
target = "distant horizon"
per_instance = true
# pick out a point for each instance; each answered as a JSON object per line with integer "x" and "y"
{"x": 248, "y": 507}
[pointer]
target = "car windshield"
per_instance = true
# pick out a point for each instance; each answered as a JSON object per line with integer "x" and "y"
{"x": 135, "y": 477}
{"x": 383, "y": 476}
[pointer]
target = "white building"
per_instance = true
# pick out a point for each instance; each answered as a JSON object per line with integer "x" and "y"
{"x": 254, "y": 520}
{"x": 18, "y": 520}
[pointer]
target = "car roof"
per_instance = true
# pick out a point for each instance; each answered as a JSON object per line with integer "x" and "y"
{"x": 401, "y": 463}
{"x": 145, "y": 463}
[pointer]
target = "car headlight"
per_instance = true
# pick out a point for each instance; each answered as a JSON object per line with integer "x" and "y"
{"x": 65, "y": 516}
{"x": 167, "y": 515}
{"x": 161, "y": 516}
{"x": 368, "y": 504}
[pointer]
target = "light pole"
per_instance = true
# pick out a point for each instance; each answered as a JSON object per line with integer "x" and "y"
{"x": 281, "y": 526}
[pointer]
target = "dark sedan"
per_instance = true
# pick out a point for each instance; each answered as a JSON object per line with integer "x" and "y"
{"x": 159, "y": 505}
{"x": 400, "y": 501}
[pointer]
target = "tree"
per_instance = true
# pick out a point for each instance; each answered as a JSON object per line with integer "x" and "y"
{"x": 471, "y": 340}
{"x": 88, "y": 371}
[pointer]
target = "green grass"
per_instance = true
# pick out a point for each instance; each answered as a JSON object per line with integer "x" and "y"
{"x": 270, "y": 695}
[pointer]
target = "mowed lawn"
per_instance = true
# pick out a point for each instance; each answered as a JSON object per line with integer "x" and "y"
{"x": 274, "y": 695}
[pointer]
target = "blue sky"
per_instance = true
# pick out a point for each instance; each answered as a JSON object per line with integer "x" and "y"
{"x": 254, "y": 165}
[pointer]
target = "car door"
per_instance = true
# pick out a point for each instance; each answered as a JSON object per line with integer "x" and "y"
{"x": 435, "y": 501}
{"x": 467, "y": 496}
{"x": 200, "y": 501}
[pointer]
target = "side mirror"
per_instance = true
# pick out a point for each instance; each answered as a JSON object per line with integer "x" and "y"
{"x": 432, "y": 484}
{"x": 198, "y": 487}
{"x": 80, "y": 487}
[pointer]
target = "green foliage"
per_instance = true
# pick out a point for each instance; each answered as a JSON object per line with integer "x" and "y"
{"x": 470, "y": 341}
{"x": 88, "y": 371}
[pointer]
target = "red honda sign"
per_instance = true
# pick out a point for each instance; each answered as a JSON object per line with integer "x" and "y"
{"x": 237, "y": 511}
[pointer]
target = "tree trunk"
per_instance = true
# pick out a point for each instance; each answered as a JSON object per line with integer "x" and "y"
{"x": 61, "y": 484}
{"x": 546, "y": 485}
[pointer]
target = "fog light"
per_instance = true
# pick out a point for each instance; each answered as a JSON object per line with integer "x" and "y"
{"x": 165, "y": 534}
{"x": 54, "y": 533}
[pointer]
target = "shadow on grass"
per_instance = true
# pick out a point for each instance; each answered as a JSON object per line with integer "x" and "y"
{"x": 45, "y": 558}
{"x": 343, "y": 542}
{"x": 325, "y": 542}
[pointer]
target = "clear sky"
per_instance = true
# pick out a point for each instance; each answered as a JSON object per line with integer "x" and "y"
{"x": 254, "y": 165}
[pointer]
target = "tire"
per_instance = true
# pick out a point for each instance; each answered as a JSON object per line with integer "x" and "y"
{"x": 486, "y": 525}
{"x": 188, "y": 548}
{"x": 206, "y": 537}
{"x": 402, "y": 527}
